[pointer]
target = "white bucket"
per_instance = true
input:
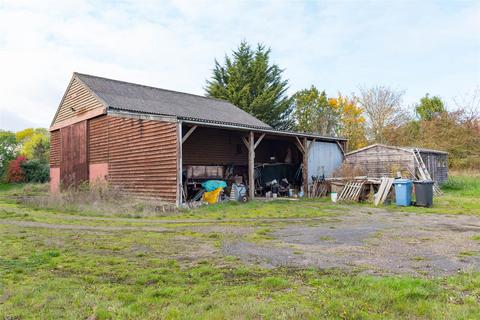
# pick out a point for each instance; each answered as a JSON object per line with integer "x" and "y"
{"x": 333, "y": 196}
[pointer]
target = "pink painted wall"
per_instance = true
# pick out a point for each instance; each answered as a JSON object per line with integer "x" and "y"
{"x": 98, "y": 172}
{"x": 54, "y": 180}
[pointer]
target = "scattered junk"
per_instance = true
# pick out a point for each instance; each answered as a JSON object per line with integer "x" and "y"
{"x": 238, "y": 192}
{"x": 213, "y": 191}
{"x": 320, "y": 187}
{"x": 381, "y": 174}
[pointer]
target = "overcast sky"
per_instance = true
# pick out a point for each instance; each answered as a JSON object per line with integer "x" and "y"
{"x": 416, "y": 46}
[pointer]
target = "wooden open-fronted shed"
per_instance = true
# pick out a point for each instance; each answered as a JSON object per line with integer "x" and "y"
{"x": 146, "y": 141}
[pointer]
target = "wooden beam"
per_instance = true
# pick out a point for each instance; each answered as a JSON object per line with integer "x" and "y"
{"x": 341, "y": 148}
{"x": 189, "y": 132}
{"x": 251, "y": 169}
{"x": 258, "y": 141}
{"x": 245, "y": 142}
{"x": 299, "y": 145}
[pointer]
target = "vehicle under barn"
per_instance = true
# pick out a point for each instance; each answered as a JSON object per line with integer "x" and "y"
{"x": 159, "y": 143}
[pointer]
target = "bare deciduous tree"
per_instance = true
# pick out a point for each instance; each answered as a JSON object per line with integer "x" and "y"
{"x": 470, "y": 104}
{"x": 382, "y": 107}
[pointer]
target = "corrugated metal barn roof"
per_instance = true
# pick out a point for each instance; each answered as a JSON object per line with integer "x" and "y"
{"x": 143, "y": 99}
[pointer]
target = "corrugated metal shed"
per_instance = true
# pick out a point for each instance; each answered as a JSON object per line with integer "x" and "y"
{"x": 323, "y": 159}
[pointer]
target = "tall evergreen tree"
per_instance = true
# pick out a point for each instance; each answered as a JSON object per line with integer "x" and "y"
{"x": 248, "y": 80}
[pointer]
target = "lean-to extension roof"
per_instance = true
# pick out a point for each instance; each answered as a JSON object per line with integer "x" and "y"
{"x": 125, "y": 96}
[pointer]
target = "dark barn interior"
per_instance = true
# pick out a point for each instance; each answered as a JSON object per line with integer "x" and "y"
{"x": 213, "y": 153}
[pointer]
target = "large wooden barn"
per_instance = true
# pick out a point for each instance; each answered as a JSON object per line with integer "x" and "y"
{"x": 150, "y": 142}
{"x": 378, "y": 160}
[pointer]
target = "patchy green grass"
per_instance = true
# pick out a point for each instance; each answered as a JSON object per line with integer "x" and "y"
{"x": 461, "y": 196}
{"x": 52, "y": 274}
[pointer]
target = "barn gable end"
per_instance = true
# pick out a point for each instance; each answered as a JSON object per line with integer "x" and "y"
{"x": 78, "y": 103}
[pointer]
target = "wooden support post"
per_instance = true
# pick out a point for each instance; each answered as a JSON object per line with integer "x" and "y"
{"x": 305, "y": 166}
{"x": 251, "y": 164}
{"x": 179, "y": 165}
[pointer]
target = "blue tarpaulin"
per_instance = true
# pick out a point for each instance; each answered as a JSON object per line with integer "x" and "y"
{"x": 211, "y": 185}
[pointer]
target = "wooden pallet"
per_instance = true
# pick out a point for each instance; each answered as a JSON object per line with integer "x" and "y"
{"x": 351, "y": 191}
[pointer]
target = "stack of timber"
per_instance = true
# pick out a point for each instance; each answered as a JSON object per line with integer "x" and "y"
{"x": 319, "y": 189}
{"x": 351, "y": 191}
{"x": 383, "y": 190}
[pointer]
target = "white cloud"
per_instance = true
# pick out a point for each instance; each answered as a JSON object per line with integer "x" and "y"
{"x": 427, "y": 47}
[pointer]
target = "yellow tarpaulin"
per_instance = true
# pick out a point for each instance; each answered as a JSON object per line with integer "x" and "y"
{"x": 212, "y": 196}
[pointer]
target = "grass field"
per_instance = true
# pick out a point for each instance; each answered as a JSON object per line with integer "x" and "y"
{"x": 113, "y": 269}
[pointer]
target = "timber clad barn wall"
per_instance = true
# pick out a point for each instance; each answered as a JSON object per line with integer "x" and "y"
{"x": 98, "y": 140}
{"x": 55, "y": 149}
{"x": 212, "y": 146}
{"x": 143, "y": 157}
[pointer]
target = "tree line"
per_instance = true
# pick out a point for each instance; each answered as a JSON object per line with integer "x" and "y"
{"x": 248, "y": 79}
{"x": 24, "y": 155}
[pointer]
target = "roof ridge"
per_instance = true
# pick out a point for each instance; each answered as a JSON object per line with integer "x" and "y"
{"x": 152, "y": 87}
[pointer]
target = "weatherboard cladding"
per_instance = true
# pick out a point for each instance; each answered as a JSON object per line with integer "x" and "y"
{"x": 144, "y": 99}
{"x": 55, "y": 149}
{"x": 143, "y": 157}
{"x": 76, "y": 101}
{"x": 98, "y": 140}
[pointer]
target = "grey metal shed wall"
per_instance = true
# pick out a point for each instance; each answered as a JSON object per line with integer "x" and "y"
{"x": 323, "y": 158}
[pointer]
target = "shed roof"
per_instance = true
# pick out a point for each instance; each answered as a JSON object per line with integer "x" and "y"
{"x": 138, "y": 98}
{"x": 409, "y": 149}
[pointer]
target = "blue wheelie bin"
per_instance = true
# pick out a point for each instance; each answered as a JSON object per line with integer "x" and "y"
{"x": 403, "y": 192}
